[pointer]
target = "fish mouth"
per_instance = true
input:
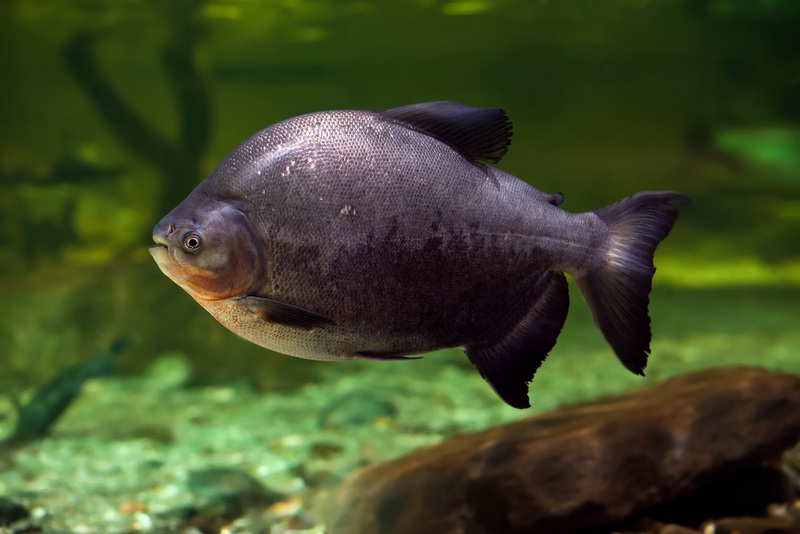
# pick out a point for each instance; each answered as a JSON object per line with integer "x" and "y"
{"x": 161, "y": 242}
{"x": 159, "y": 237}
{"x": 159, "y": 251}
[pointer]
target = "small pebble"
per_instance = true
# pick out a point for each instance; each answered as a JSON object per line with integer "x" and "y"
{"x": 678, "y": 529}
{"x": 142, "y": 521}
{"x": 324, "y": 450}
{"x": 171, "y": 371}
{"x": 233, "y": 488}
{"x": 356, "y": 409}
{"x": 131, "y": 507}
{"x": 287, "y": 508}
{"x": 793, "y": 510}
{"x": 750, "y": 525}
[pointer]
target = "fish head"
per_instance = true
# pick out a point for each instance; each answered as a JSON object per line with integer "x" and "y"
{"x": 210, "y": 248}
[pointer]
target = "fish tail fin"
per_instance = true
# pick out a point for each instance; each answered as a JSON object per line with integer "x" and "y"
{"x": 618, "y": 292}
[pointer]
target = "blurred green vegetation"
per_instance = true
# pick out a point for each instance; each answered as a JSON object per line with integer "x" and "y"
{"x": 112, "y": 111}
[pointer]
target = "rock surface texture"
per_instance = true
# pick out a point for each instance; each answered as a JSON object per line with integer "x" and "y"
{"x": 584, "y": 467}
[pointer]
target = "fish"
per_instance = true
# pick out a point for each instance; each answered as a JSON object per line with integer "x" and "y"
{"x": 52, "y": 398}
{"x": 380, "y": 235}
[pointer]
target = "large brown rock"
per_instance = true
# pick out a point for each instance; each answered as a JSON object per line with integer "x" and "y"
{"x": 580, "y": 466}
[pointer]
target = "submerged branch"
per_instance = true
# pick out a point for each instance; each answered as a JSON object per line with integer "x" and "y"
{"x": 125, "y": 124}
{"x": 179, "y": 160}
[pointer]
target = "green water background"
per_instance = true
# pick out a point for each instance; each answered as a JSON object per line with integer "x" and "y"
{"x": 607, "y": 97}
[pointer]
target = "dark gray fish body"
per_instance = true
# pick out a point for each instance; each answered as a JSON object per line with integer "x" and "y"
{"x": 354, "y": 234}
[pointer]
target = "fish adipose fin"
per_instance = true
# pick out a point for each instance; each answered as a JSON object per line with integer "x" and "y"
{"x": 481, "y": 134}
{"x": 277, "y": 312}
{"x": 510, "y": 363}
{"x": 618, "y": 292}
{"x": 555, "y": 199}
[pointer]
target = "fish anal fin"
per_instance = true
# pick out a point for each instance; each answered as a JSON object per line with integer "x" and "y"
{"x": 510, "y": 363}
{"x": 277, "y": 312}
{"x": 481, "y": 134}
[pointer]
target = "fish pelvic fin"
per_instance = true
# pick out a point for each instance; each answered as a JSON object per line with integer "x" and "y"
{"x": 508, "y": 364}
{"x": 618, "y": 292}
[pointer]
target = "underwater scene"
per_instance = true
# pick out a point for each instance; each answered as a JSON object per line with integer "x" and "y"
{"x": 127, "y": 407}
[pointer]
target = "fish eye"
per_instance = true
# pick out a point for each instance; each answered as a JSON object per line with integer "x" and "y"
{"x": 191, "y": 242}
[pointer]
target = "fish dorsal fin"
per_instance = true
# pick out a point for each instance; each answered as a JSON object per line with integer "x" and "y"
{"x": 481, "y": 134}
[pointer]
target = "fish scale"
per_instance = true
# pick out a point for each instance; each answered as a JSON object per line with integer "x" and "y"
{"x": 352, "y": 234}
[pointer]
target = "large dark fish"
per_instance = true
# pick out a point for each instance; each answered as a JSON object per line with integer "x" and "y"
{"x": 356, "y": 234}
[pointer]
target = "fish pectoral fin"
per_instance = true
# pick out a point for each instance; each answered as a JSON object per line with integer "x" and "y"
{"x": 510, "y": 363}
{"x": 277, "y": 312}
{"x": 481, "y": 134}
{"x": 385, "y": 356}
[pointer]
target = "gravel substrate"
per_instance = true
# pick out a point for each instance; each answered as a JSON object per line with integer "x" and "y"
{"x": 121, "y": 457}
